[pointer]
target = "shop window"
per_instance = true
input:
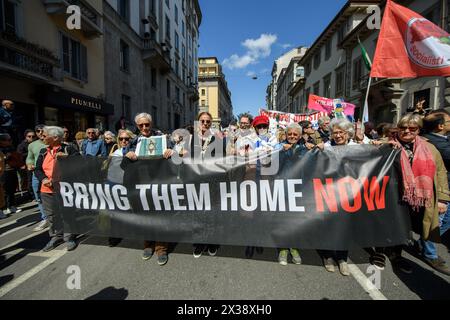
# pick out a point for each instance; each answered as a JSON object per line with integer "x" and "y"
{"x": 74, "y": 57}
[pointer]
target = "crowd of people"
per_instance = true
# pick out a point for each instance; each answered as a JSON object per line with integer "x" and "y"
{"x": 424, "y": 161}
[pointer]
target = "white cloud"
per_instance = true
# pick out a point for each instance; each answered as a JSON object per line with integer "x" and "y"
{"x": 251, "y": 74}
{"x": 286, "y": 45}
{"x": 256, "y": 49}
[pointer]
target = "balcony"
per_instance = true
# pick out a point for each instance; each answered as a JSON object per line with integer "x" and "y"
{"x": 192, "y": 93}
{"x": 154, "y": 53}
{"x": 17, "y": 55}
{"x": 90, "y": 18}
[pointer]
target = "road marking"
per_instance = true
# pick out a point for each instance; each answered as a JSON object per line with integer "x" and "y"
{"x": 8, "y": 224}
{"x": 57, "y": 254}
{"x": 17, "y": 229}
{"x": 35, "y": 234}
{"x": 364, "y": 282}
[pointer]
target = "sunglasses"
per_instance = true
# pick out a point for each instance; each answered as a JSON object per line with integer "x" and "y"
{"x": 124, "y": 139}
{"x": 206, "y": 121}
{"x": 39, "y": 130}
{"x": 262, "y": 126}
{"x": 144, "y": 125}
{"x": 91, "y": 132}
{"x": 411, "y": 129}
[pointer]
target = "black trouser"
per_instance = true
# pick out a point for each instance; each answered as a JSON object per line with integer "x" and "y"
{"x": 55, "y": 221}
{"x": 10, "y": 185}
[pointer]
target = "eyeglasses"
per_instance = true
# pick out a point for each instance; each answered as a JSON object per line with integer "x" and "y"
{"x": 262, "y": 126}
{"x": 91, "y": 132}
{"x": 31, "y": 136}
{"x": 124, "y": 139}
{"x": 206, "y": 121}
{"x": 39, "y": 130}
{"x": 144, "y": 125}
{"x": 245, "y": 123}
{"x": 411, "y": 129}
{"x": 339, "y": 133}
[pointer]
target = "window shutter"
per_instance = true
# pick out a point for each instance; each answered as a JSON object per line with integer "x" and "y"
{"x": 84, "y": 64}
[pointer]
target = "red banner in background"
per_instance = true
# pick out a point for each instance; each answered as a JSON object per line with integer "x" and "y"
{"x": 287, "y": 118}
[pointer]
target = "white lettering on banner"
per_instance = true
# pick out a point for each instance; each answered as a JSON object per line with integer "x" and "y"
{"x": 94, "y": 203}
{"x": 198, "y": 202}
{"x": 253, "y": 196}
{"x": 81, "y": 195}
{"x": 224, "y": 195}
{"x": 66, "y": 191}
{"x": 274, "y": 199}
{"x": 176, "y": 197}
{"x": 158, "y": 198}
{"x": 294, "y": 195}
{"x": 277, "y": 196}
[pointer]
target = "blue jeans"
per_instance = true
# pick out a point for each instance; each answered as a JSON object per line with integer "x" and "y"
{"x": 36, "y": 185}
{"x": 429, "y": 248}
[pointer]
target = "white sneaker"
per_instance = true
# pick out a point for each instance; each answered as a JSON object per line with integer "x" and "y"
{"x": 12, "y": 210}
{"x": 2, "y": 215}
{"x": 41, "y": 226}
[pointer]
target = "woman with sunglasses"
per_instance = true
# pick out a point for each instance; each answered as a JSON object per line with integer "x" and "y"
{"x": 424, "y": 186}
{"x": 204, "y": 145}
{"x": 115, "y": 172}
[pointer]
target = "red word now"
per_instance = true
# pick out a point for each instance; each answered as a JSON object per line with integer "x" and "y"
{"x": 347, "y": 189}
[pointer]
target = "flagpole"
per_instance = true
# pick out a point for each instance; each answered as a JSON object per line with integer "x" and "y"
{"x": 366, "y": 102}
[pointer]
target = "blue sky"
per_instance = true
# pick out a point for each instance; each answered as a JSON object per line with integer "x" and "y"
{"x": 248, "y": 35}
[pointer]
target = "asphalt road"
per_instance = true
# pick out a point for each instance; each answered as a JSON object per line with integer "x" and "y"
{"x": 120, "y": 273}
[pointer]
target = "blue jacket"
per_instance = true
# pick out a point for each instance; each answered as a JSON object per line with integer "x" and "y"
{"x": 98, "y": 148}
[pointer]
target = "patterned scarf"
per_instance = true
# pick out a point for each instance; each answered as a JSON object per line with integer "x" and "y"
{"x": 418, "y": 178}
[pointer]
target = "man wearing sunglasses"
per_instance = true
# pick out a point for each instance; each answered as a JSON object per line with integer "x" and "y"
{"x": 93, "y": 146}
{"x": 34, "y": 149}
{"x": 144, "y": 123}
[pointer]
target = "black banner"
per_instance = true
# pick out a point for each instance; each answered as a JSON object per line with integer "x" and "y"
{"x": 334, "y": 199}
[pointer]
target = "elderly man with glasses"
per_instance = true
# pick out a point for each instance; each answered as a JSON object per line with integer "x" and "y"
{"x": 144, "y": 123}
{"x": 93, "y": 146}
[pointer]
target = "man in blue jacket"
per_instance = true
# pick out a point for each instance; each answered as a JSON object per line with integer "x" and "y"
{"x": 436, "y": 127}
{"x": 93, "y": 146}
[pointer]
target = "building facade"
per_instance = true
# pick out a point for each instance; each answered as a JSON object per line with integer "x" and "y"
{"x": 215, "y": 97}
{"x": 278, "y": 69}
{"x": 151, "y": 60}
{"x": 54, "y": 75}
{"x": 334, "y": 68}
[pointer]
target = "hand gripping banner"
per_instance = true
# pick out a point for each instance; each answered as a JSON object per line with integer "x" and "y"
{"x": 335, "y": 199}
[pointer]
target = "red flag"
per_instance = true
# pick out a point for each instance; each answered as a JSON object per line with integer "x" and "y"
{"x": 410, "y": 46}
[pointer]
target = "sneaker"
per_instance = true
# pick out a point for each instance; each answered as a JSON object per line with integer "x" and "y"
{"x": 14, "y": 210}
{"x": 296, "y": 259}
{"x": 147, "y": 254}
{"x": 52, "y": 244}
{"x": 343, "y": 268}
{"x": 438, "y": 265}
{"x": 329, "y": 264}
{"x": 198, "y": 251}
{"x": 378, "y": 260}
{"x": 41, "y": 226}
{"x": 249, "y": 252}
{"x": 162, "y": 260}
{"x": 3, "y": 215}
{"x": 283, "y": 256}
{"x": 401, "y": 264}
{"x": 71, "y": 245}
{"x": 212, "y": 250}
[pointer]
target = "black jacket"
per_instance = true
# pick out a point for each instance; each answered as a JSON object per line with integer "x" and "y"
{"x": 443, "y": 145}
{"x": 39, "y": 171}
